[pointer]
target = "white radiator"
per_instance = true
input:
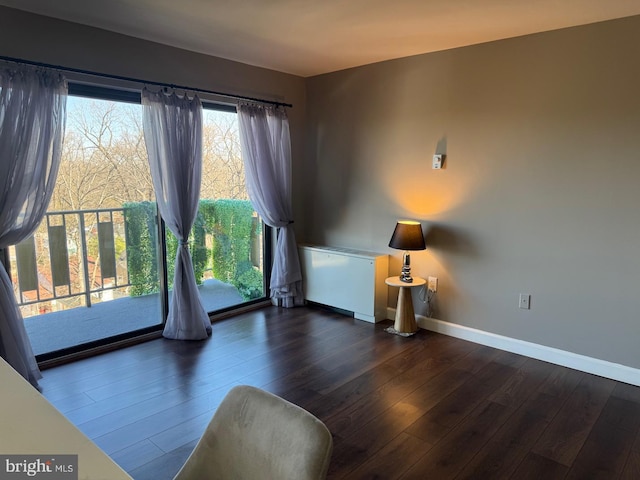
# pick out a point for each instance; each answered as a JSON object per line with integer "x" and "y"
{"x": 346, "y": 279}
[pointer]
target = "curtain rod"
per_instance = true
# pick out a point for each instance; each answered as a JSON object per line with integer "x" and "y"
{"x": 137, "y": 80}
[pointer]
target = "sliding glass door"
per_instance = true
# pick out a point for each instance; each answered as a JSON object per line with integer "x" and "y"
{"x": 100, "y": 265}
{"x": 227, "y": 241}
{"x": 77, "y": 279}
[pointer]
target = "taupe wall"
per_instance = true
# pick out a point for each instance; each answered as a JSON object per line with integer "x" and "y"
{"x": 37, "y": 38}
{"x": 541, "y": 190}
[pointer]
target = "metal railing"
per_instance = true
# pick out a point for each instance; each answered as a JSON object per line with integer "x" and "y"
{"x": 74, "y": 253}
{"x": 76, "y": 256}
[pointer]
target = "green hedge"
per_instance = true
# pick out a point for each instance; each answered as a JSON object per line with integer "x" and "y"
{"x": 140, "y": 231}
{"x": 231, "y": 225}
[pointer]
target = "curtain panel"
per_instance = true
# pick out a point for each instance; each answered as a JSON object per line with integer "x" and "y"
{"x": 266, "y": 152}
{"x": 32, "y": 121}
{"x": 172, "y": 128}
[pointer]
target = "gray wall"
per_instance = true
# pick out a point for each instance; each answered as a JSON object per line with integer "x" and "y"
{"x": 541, "y": 190}
{"x": 539, "y": 194}
{"x": 42, "y": 39}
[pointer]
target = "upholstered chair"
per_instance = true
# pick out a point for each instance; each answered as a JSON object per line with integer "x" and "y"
{"x": 255, "y": 435}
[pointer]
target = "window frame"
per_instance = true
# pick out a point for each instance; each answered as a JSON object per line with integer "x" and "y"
{"x": 127, "y": 95}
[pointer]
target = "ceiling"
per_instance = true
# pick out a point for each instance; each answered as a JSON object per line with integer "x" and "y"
{"x": 311, "y": 37}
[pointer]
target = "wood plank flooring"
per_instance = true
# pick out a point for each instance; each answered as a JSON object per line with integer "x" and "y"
{"x": 424, "y": 407}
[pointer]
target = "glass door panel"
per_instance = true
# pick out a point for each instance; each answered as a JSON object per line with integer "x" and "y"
{"x": 90, "y": 272}
{"x": 227, "y": 239}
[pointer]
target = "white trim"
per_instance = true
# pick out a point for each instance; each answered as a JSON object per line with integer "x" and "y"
{"x": 595, "y": 366}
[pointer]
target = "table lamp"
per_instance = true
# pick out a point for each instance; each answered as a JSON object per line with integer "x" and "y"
{"x": 407, "y": 236}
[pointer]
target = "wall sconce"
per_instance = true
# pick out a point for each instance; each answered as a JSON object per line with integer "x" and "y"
{"x": 407, "y": 236}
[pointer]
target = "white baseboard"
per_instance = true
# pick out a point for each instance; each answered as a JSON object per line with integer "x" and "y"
{"x": 602, "y": 368}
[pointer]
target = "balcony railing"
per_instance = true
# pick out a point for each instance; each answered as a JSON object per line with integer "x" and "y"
{"x": 73, "y": 254}
{"x": 77, "y": 257}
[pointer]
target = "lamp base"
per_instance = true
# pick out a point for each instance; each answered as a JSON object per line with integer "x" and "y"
{"x": 405, "y": 274}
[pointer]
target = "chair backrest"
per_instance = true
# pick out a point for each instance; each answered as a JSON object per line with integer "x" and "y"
{"x": 255, "y": 435}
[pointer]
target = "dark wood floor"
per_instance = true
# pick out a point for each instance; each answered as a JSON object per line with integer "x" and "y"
{"x": 425, "y": 407}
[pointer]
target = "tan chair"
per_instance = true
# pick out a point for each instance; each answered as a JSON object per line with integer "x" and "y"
{"x": 255, "y": 435}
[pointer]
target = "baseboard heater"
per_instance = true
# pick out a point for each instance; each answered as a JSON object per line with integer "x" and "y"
{"x": 346, "y": 279}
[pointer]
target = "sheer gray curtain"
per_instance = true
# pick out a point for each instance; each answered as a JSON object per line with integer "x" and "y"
{"x": 266, "y": 151}
{"x": 173, "y": 134}
{"x": 32, "y": 119}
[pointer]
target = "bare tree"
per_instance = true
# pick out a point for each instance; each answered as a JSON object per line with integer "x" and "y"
{"x": 105, "y": 161}
{"x": 223, "y": 170}
{"x": 112, "y": 134}
{"x": 82, "y": 181}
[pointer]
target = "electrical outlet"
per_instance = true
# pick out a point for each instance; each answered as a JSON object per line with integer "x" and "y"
{"x": 437, "y": 162}
{"x": 432, "y": 284}
{"x": 525, "y": 301}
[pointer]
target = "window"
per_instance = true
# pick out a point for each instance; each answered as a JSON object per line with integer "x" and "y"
{"x": 94, "y": 271}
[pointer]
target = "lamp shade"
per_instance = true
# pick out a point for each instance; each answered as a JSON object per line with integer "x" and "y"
{"x": 407, "y": 236}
